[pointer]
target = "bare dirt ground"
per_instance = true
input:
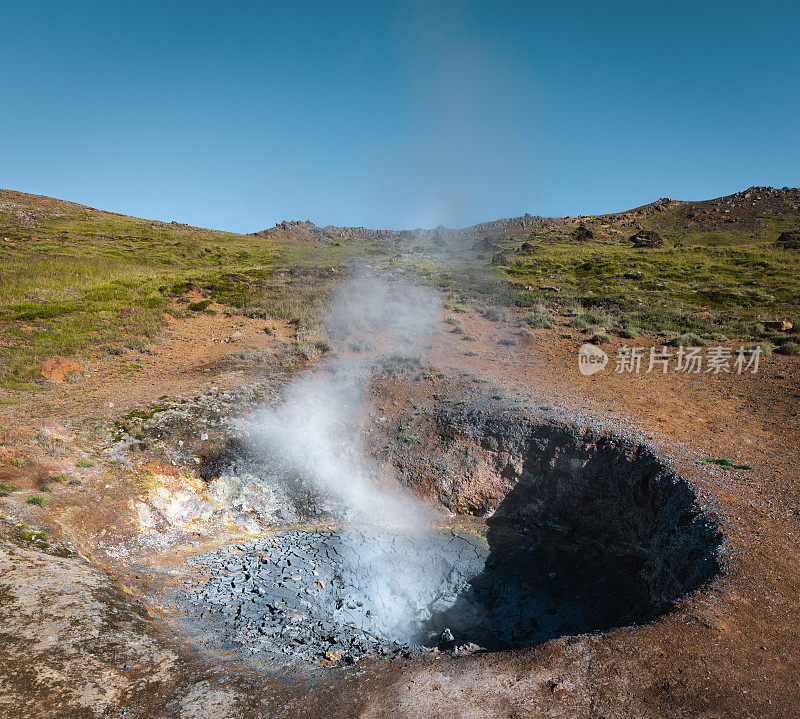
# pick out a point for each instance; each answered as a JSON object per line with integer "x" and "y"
{"x": 82, "y": 635}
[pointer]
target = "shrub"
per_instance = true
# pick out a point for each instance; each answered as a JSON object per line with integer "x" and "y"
{"x": 85, "y": 463}
{"x": 788, "y": 348}
{"x": 6, "y": 489}
{"x": 38, "y": 501}
{"x": 688, "y": 339}
{"x": 629, "y": 333}
{"x": 495, "y": 314}
{"x": 199, "y": 306}
{"x": 599, "y": 338}
{"x": 18, "y": 462}
{"x": 765, "y": 347}
{"x": 398, "y": 363}
{"x": 539, "y": 319}
{"x": 572, "y": 311}
{"x": 594, "y": 318}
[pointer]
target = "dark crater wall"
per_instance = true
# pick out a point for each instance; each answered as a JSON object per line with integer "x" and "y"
{"x": 589, "y": 492}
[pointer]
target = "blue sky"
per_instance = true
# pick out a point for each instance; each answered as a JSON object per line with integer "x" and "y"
{"x": 236, "y": 115}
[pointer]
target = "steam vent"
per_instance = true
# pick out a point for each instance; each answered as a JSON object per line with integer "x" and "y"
{"x": 559, "y": 530}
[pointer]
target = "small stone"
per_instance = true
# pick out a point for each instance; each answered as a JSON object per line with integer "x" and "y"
{"x": 446, "y": 640}
{"x": 57, "y": 368}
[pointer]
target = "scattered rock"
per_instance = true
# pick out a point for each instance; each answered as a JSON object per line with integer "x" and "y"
{"x": 446, "y": 640}
{"x": 582, "y": 232}
{"x": 779, "y": 325}
{"x": 57, "y": 368}
{"x": 647, "y": 238}
{"x": 24, "y": 219}
{"x": 484, "y": 245}
{"x": 790, "y": 239}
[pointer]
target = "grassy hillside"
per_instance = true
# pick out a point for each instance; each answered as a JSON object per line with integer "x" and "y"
{"x": 720, "y": 271}
{"x": 74, "y": 278}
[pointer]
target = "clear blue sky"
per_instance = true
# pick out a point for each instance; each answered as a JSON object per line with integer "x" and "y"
{"x": 235, "y": 115}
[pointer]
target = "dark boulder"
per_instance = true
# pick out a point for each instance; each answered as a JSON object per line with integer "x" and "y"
{"x": 790, "y": 239}
{"x": 582, "y": 232}
{"x": 484, "y": 245}
{"x": 647, "y": 238}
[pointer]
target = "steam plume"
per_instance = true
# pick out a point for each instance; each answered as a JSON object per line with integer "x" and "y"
{"x": 314, "y": 435}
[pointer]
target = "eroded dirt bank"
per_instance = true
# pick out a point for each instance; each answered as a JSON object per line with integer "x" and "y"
{"x": 80, "y": 646}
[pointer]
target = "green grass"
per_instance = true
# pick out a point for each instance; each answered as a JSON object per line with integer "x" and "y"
{"x": 688, "y": 339}
{"x": 83, "y": 278}
{"x": 198, "y": 306}
{"x": 725, "y": 463}
{"x": 85, "y": 463}
{"x": 18, "y": 462}
{"x": 712, "y": 283}
{"x": 540, "y": 318}
{"x": 38, "y": 501}
{"x": 6, "y": 489}
{"x": 41, "y": 540}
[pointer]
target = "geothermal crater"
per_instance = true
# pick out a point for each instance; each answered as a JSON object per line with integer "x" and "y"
{"x": 580, "y": 531}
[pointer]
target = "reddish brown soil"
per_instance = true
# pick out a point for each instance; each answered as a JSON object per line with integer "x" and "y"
{"x": 731, "y": 650}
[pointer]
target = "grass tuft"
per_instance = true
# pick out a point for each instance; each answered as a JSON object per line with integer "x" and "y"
{"x": 790, "y": 349}
{"x": 688, "y": 339}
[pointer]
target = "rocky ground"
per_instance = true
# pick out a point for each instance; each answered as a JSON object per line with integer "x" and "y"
{"x": 133, "y": 465}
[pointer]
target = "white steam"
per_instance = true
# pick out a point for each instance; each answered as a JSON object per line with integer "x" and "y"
{"x": 314, "y": 436}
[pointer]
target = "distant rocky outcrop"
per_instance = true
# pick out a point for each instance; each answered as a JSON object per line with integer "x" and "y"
{"x": 441, "y": 235}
